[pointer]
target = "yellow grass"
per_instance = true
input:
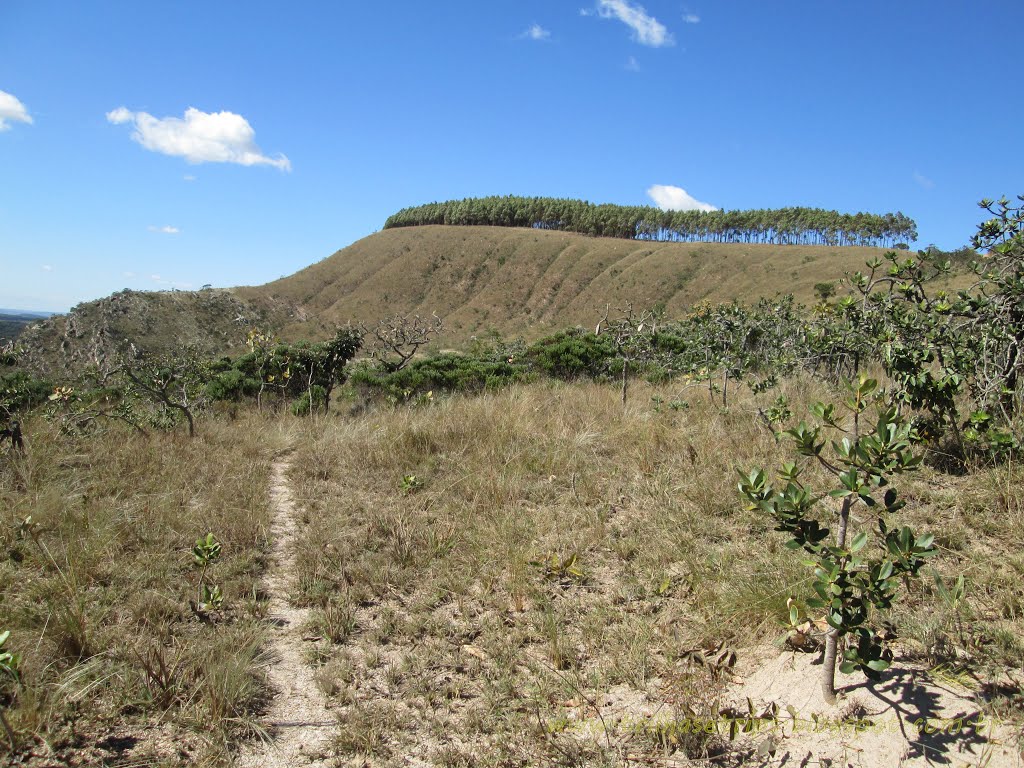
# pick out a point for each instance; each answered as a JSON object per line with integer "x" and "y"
{"x": 531, "y": 576}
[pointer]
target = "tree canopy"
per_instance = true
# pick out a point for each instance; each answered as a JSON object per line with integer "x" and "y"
{"x": 782, "y": 226}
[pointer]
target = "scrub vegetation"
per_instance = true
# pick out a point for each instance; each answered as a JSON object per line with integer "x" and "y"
{"x": 522, "y": 552}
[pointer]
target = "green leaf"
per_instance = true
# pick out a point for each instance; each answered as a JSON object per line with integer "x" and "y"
{"x": 859, "y": 541}
{"x": 878, "y": 665}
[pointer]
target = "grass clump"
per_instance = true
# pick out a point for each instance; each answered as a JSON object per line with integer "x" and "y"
{"x": 101, "y": 590}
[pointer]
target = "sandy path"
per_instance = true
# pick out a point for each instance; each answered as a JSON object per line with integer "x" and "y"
{"x": 298, "y": 718}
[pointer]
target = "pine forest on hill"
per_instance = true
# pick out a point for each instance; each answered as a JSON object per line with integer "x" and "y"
{"x": 784, "y": 226}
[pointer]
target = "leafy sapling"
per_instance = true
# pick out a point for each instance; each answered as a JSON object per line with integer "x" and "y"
{"x": 850, "y": 579}
{"x": 206, "y": 550}
{"x": 8, "y": 669}
{"x": 410, "y": 483}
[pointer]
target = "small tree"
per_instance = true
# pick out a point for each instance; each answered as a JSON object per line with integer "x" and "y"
{"x": 173, "y": 383}
{"x": 849, "y": 583}
{"x": 824, "y": 291}
{"x": 936, "y": 345}
{"x": 318, "y": 367}
{"x": 631, "y": 333}
{"x": 401, "y": 336}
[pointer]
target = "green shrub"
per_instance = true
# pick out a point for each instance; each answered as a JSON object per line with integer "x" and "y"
{"x": 572, "y": 354}
{"x": 232, "y": 385}
{"x": 447, "y": 372}
{"x": 301, "y": 406}
{"x": 20, "y": 391}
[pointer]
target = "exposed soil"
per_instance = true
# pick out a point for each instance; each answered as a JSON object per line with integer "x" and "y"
{"x": 298, "y": 722}
{"x": 909, "y": 718}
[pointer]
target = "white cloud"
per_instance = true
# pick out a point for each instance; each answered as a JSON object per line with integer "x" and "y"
{"x": 923, "y": 180}
{"x": 536, "y": 32}
{"x": 47, "y": 268}
{"x": 127, "y": 274}
{"x": 586, "y": 12}
{"x": 691, "y": 18}
{"x": 165, "y": 230}
{"x": 670, "y": 198}
{"x": 172, "y": 283}
{"x": 189, "y": 177}
{"x": 12, "y": 109}
{"x": 120, "y": 115}
{"x": 632, "y": 64}
{"x": 647, "y": 30}
{"x": 201, "y": 137}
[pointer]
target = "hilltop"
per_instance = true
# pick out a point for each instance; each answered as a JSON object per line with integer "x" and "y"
{"x": 480, "y": 279}
{"x": 531, "y": 281}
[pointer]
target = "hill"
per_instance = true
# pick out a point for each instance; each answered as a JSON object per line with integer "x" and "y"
{"x": 214, "y": 321}
{"x": 525, "y": 282}
{"x": 532, "y": 281}
{"x": 14, "y": 321}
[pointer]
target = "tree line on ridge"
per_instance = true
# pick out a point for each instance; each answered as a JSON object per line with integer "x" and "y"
{"x": 782, "y": 226}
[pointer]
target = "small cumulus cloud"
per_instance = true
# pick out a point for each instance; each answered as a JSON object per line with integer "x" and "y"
{"x": 12, "y": 110}
{"x": 199, "y": 137}
{"x": 691, "y": 18}
{"x": 189, "y": 177}
{"x": 647, "y": 30}
{"x": 923, "y": 181}
{"x": 536, "y": 32}
{"x": 632, "y": 65}
{"x": 586, "y": 11}
{"x": 160, "y": 280}
{"x": 165, "y": 230}
{"x": 47, "y": 268}
{"x": 670, "y": 198}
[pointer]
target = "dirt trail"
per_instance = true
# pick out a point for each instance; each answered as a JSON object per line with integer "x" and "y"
{"x": 298, "y": 720}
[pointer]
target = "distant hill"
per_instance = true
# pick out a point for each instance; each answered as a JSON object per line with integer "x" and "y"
{"x": 526, "y": 282}
{"x": 14, "y": 321}
{"x": 214, "y": 321}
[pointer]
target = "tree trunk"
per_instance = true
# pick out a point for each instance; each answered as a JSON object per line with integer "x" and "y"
{"x": 625, "y": 380}
{"x": 828, "y": 672}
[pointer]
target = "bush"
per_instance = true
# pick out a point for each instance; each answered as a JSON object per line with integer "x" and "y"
{"x": 231, "y": 385}
{"x": 447, "y": 372}
{"x": 572, "y": 354}
{"x": 301, "y": 406}
{"x": 20, "y": 391}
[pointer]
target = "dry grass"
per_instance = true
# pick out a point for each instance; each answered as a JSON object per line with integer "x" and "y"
{"x": 561, "y": 581}
{"x": 564, "y": 565}
{"x": 116, "y": 664}
{"x": 533, "y": 282}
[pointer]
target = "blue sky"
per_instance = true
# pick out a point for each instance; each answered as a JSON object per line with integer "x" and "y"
{"x": 172, "y": 144}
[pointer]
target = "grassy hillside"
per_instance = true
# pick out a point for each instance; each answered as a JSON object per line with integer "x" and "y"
{"x": 530, "y": 282}
{"x": 518, "y": 282}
